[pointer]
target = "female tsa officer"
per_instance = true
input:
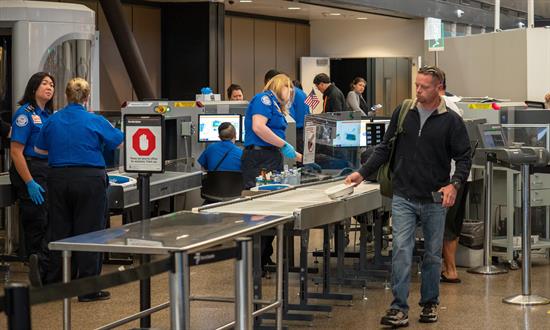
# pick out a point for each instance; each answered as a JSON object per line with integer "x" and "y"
{"x": 265, "y": 144}
{"x": 74, "y": 139}
{"x": 28, "y": 175}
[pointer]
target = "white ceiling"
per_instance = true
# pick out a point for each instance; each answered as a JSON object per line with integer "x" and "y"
{"x": 279, "y": 8}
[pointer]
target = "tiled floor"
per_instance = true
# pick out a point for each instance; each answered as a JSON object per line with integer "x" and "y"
{"x": 474, "y": 304}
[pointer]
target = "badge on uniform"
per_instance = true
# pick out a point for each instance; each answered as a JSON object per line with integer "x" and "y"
{"x": 266, "y": 100}
{"x": 21, "y": 121}
{"x": 36, "y": 119}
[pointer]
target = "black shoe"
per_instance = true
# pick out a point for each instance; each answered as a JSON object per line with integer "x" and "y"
{"x": 429, "y": 313}
{"x": 101, "y": 295}
{"x": 34, "y": 271}
{"x": 270, "y": 262}
{"x": 395, "y": 318}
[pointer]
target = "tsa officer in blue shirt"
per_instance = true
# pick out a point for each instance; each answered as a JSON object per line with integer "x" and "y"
{"x": 74, "y": 140}
{"x": 265, "y": 144}
{"x": 298, "y": 111}
{"x": 29, "y": 169}
{"x": 223, "y": 155}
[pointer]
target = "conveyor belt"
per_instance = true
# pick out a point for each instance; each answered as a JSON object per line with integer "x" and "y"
{"x": 162, "y": 185}
{"x": 309, "y": 204}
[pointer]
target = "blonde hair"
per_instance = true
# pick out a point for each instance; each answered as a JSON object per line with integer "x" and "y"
{"x": 276, "y": 84}
{"x": 77, "y": 90}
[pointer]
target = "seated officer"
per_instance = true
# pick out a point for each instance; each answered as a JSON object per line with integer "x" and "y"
{"x": 223, "y": 155}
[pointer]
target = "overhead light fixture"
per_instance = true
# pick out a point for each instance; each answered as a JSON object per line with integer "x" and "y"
{"x": 294, "y": 8}
{"x": 362, "y": 18}
{"x": 335, "y": 14}
{"x": 245, "y": 1}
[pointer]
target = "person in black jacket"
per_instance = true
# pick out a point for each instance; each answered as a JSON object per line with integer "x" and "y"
{"x": 333, "y": 98}
{"x": 432, "y": 136}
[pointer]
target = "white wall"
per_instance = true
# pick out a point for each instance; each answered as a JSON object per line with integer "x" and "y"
{"x": 513, "y": 64}
{"x": 378, "y": 37}
{"x": 538, "y": 64}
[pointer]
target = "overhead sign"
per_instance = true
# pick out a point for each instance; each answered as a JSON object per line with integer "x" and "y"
{"x": 143, "y": 143}
{"x": 432, "y": 28}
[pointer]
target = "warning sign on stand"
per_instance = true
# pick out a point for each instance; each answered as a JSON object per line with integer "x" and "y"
{"x": 143, "y": 143}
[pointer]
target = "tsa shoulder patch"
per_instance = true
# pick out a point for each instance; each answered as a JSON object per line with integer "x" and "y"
{"x": 266, "y": 100}
{"x": 21, "y": 120}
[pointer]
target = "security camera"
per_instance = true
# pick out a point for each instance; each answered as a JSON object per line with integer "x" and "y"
{"x": 459, "y": 12}
{"x": 231, "y": 2}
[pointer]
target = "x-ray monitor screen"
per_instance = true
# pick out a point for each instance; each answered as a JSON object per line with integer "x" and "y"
{"x": 493, "y": 138}
{"x": 348, "y": 133}
{"x": 209, "y": 123}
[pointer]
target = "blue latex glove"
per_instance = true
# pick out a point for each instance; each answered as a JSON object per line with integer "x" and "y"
{"x": 34, "y": 190}
{"x": 288, "y": 151}
{"x": 206, "y": 90}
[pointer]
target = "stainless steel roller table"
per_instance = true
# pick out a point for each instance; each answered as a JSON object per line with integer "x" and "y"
{"x": 311, "y": 208}
{"x": 181, "y": 234}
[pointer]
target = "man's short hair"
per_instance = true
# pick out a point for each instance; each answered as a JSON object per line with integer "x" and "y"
{"x": 227, "y": 131}
{"x": 433, "y": 71}
{"x": 321, "y": 78}
{"x": 270, "y": 74}
{"x": 231, "y": 88}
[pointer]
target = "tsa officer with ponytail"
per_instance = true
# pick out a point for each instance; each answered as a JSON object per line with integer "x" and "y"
{"x": 74, "y": 140}
{"x": 265, "y": 144}
{"x": 29, "y": 169}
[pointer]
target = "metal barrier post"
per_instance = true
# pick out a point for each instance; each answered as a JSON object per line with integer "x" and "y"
{"x": 526, "y": 298}
{"x": 243, "y": 284}
{"x": 179, "y": 292}
{"x": 18, "y": 308}
{"x": 487, "y": 268}
{"x": 145, "y": 285}
{"x": 66, "y": 279}
{"x": 280, "y": 243}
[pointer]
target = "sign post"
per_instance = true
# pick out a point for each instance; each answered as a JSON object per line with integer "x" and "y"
{"x": 143, "y": 154}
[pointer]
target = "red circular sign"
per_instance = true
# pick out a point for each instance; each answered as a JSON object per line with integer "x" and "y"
{"x": 140, "y": 148}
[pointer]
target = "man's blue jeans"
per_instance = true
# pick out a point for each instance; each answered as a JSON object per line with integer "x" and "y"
{"x": 406, "y": 215}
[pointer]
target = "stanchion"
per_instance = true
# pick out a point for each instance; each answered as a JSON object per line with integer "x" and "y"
{"x": 179, "y": 292}
{"x": 243, "y": 285}
{"x": 526, "y": 298}
{"x": 487, "y": 268}
{"x": 144, "y": 285}
{"x": 18, "y": 308}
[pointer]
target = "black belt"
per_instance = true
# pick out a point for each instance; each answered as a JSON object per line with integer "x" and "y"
{"x": 36, "y": 159}
{"x": 253, "y": 147}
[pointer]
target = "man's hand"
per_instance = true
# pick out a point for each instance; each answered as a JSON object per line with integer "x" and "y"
{"x": 449, "y": 195}
{"x": 354, "y": 177}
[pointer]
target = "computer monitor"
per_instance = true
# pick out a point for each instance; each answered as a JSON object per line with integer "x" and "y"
{"x": 242, "y": 128}
{"x": 209, "y": 123}
{"x": 535, "y": 105}
{"x": 492, "y": 136}
{"x": 348, "y": 133}
{"x": 372, "y": 132}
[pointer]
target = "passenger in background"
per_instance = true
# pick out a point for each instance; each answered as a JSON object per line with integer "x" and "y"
{"x": 297, "y": 84}
{"x": 223, "y": 155}
{"x": 547, "y": 100}
{"x": 235, "y": 93}
{"x": 74, "y": 140}
{"x": 355, "y": 100}
{"x": 333, "y": 98}
{"x": 299, "y": 110}
{"x": 265, "y": 144}
{"x": 29, "y": 170}
{"x": 455, "y": 214}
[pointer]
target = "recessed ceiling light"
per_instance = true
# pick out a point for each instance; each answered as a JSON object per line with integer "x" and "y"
{"x": 294, "y": 8}
{"x": 362, "y": 18}
{"x": 335, "y": 14}
{"x": 245, "y": 1}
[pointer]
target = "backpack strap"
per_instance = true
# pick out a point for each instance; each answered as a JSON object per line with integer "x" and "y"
{"x": 407, "y": 105}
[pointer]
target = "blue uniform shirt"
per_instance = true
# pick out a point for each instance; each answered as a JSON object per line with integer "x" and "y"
{"x": 299, "y": 108}
{"x": 27, "y": 123}
{"x": 74, "y": 137}
{"x": 215, "y": 152}
{"x": 267, "y": 105}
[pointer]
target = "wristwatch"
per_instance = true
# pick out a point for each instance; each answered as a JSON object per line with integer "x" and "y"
{"x": 457, "y": 184}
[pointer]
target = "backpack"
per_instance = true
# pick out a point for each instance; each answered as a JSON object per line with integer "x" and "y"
{"x": 384, "y": 176}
